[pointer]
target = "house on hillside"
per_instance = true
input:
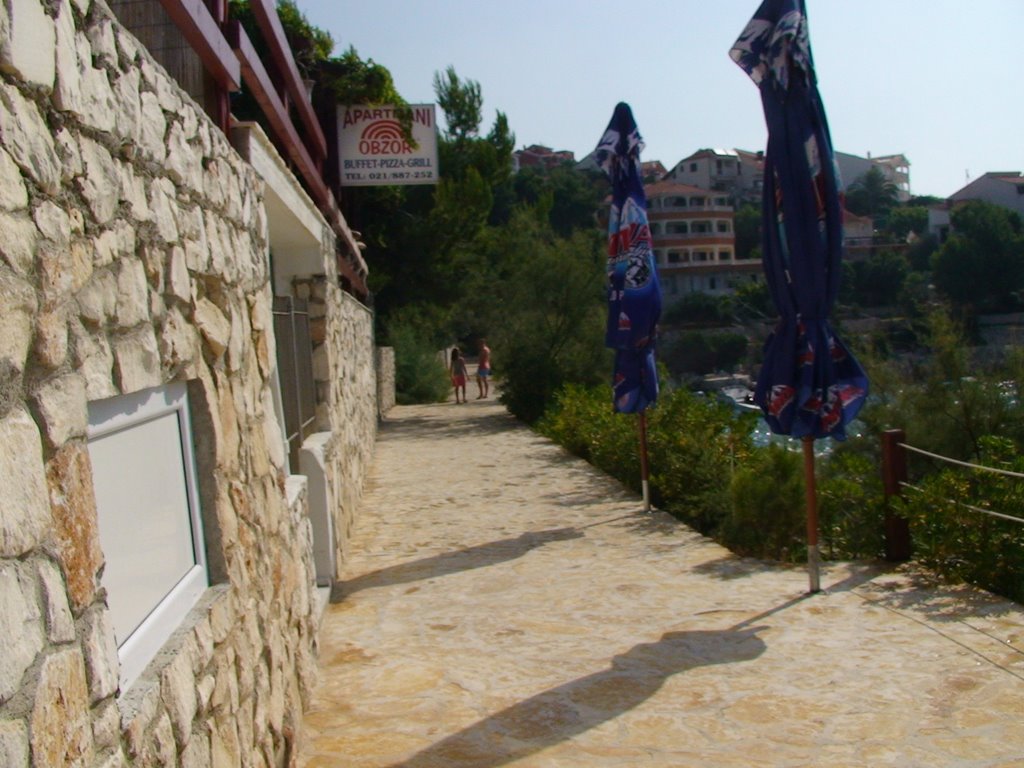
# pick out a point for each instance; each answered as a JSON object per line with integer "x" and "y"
{"x": 539, "y": 156}
{"x": 858, "y": 236}
{"x": 694, "y": 241}
{"x": 895, "y": 169}
{"x": 189, "y": 389}
{"x": 652, "y": 171}
{"x": 1003, "y": 188}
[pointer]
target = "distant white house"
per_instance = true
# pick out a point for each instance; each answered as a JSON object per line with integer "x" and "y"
{"x": 895, "y": 169}
{"x": 1003, "y": 188}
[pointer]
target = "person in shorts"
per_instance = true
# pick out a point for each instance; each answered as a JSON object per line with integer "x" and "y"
{"x": 483, "y": 370}
{"x": 457, "y": 370}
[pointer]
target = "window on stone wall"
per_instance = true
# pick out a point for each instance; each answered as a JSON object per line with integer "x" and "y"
{"x": 147, "y": 500}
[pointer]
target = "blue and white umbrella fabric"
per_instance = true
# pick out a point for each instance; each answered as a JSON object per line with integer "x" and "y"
{"x": 634, "y": 293}
{"x": 810, "y": 384}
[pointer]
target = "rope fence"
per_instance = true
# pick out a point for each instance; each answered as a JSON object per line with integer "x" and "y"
{"x": 971, "y": 507}
{"x": 895, "y": 481}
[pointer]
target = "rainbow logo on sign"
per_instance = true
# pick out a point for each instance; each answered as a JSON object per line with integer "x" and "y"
{"x": 384, "y": 137}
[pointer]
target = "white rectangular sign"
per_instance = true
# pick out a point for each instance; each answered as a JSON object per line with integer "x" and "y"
{"x": 374, "y": 151}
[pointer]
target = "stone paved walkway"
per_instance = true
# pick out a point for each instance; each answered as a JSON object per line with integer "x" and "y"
{"x": 505, "y": 604}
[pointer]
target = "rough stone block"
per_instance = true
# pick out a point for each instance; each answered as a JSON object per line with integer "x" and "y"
{"x": 17, "y": 308}
{"x": 106, "y": 725}
{"x": 163, "y": 204}
{"x": 26, "y": 513}
{"x": 114, "y": 243}
{"x": 101, "y": 184}
{"x": 179, "y": 342}
{"x": 29, "y": 52}
{"x": 67, "y": 93}
{"x": 140, "y": 707}
{"x": 60, "y": 624}
{"x": 133, "y": 192}
{"x": 28, "y": 139}
{"x": 61, "y": 406}
{"x": 97, "y": 299}
{"x": 73, "y": 505}
{"x": 160, "y": 749}
{"x": 132, "y": 295}
{"x": 94, "y": 359}
{"x": 69, "y": 155}
{"x": 177, "y": 282}
{"x": 51, "y": 341}
{"x": 101, "y": 38}
{"x": 225, "y": 749}
{"x": 137, "y": 360}
{"x": 101, "y": 662}
{"x": 18, "y": 244}
{"x": 184, "y": 162}
{"x": 13, "y": 194}
{"x": 128, "y": 120}
{"x": 13, "y": 743}
{"x": 61, "y": 727}
{"x": 21, "y": 624}
{"x": 178, "y": 694}
{"x": 213, "y": 325}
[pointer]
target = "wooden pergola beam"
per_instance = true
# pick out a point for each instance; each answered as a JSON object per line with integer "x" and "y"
{"x": 203, "y": 33}
{"x": 281, "y": 54}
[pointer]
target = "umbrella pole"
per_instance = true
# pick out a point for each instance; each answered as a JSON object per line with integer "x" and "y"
{"x": 644, "y": 469}
{"x": 813, "y": 555}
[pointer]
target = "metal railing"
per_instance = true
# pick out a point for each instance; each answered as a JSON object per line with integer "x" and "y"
{"x": 295, "y": 364}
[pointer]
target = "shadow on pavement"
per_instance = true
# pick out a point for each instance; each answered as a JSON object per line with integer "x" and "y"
{"x": 467, "y": 559}
{"x": 933, "y": 599}
{"x": 463, "y": 419}
{"x": 558, "y": 714}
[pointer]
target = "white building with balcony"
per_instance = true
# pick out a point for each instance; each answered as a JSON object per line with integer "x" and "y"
{"x": 694, "y": 241}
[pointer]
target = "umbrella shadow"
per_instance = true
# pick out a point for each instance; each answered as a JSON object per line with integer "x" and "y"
{"x": 937, "y": 601}
{"x": 469, "y": 558}
{"x": 730, "y": 566}
{"x": 558, "y": 714}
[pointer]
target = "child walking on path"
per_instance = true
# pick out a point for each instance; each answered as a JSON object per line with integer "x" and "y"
{"x": 459, "y": 374}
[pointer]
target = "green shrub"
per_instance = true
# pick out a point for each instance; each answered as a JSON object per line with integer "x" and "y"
{"x": 768, "y": 514}
{"x": 420, "y": 375}
{"x": 962, "y": 544}
{"x": 693, "y": 442}
{"x": 851, "y": 507}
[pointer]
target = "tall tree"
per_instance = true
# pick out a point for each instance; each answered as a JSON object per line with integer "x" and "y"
{"x": 872, "y": 195}
{"x": 981, "y": 265}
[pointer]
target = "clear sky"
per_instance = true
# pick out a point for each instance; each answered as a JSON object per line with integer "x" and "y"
{"x": 937, "y": 80}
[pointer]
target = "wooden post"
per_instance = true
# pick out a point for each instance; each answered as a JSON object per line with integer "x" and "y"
{"x": 811, "y": 493}
{"x": 894, "y": 472}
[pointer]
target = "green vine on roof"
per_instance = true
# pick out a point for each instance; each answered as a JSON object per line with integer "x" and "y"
{"x": 349, "y": 79}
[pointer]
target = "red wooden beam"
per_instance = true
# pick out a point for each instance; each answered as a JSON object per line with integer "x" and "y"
{"x": 281, "y": 54}
{"x": 256, "y": 77}
{"x": 202, "y": 33}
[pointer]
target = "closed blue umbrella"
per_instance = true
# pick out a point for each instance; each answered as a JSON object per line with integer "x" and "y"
{"x": 810, "y": 385}
{"x": 634, "y": 294}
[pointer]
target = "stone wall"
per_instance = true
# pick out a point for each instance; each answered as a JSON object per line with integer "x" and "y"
{"x": 385, "y": 379}
{"x": 133, "y": 254}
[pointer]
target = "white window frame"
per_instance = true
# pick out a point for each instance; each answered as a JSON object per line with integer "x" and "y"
{"x": 117, "y": 415}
